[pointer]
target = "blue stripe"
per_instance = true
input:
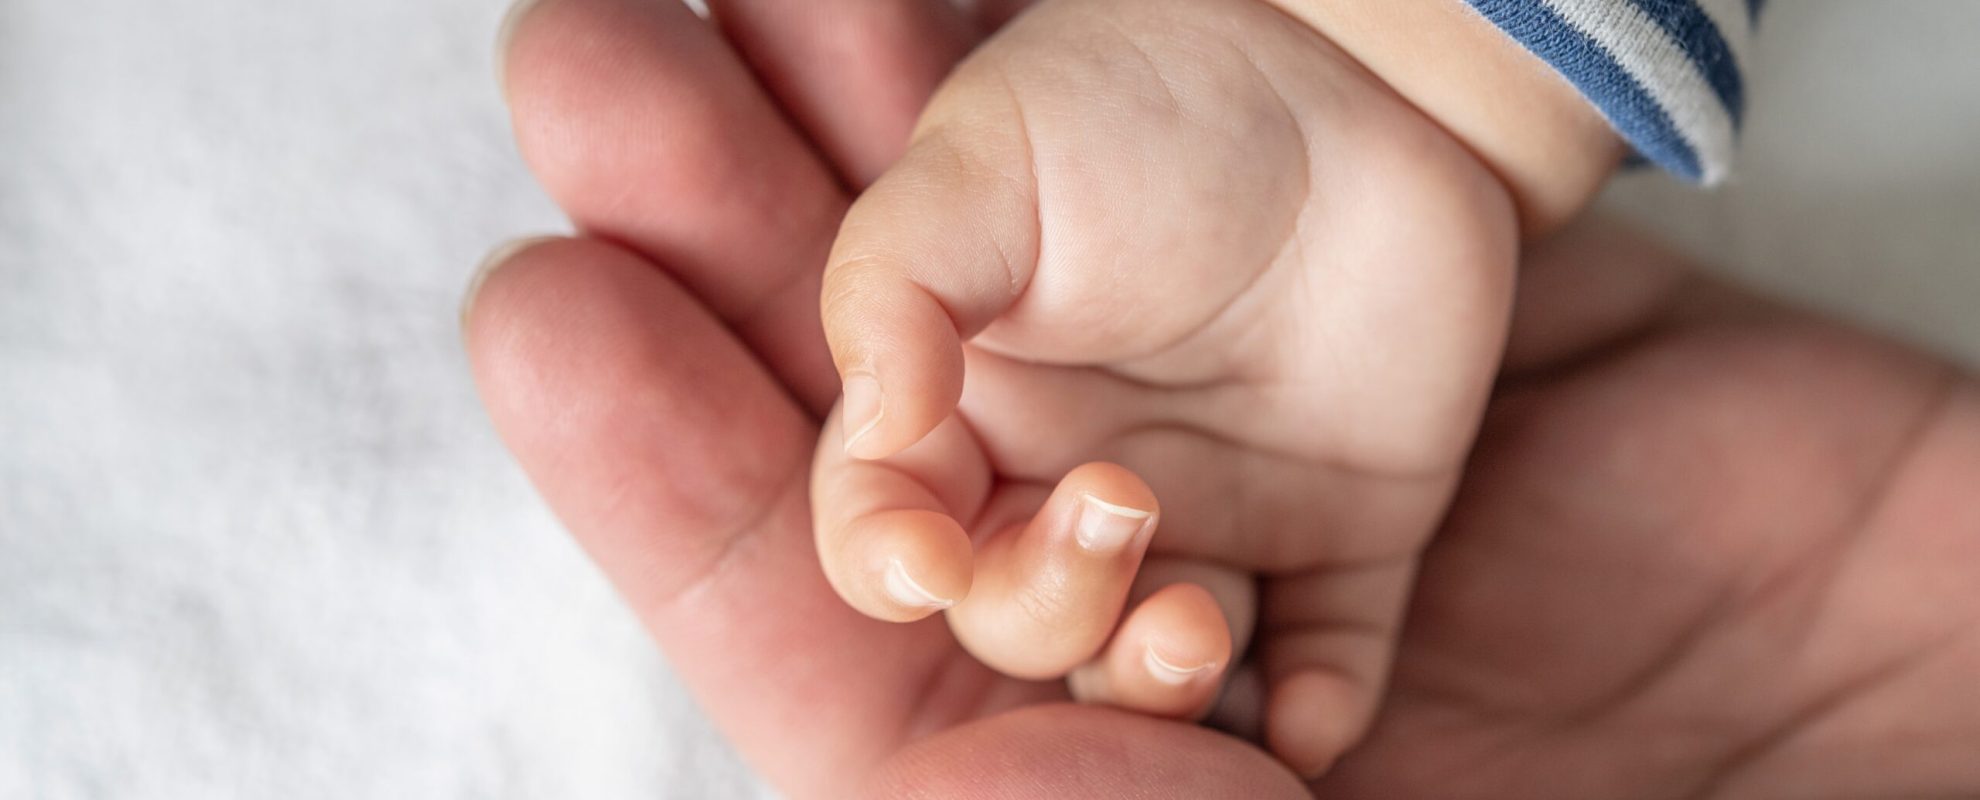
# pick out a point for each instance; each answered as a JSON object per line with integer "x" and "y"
{"x": 1699, "y": 38}
{"x": 1621, "y": 98}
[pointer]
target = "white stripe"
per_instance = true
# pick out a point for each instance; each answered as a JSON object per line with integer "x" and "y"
{"x": 1637, "y": 43}
{"x": 1730, "y": 17}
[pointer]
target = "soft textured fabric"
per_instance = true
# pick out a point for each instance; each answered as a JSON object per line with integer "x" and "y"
{"x": 1666, "y": 73}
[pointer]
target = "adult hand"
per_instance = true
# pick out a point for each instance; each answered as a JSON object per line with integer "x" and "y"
{"x": 660, "y": 377}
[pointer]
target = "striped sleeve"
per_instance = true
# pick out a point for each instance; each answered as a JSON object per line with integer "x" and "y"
{"x": 1666, "y": 73}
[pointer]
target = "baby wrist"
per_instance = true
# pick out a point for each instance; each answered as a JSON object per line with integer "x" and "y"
{"x": 1547, "y": 144}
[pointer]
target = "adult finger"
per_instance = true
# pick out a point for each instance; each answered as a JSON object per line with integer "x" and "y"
{"x": 648, "y": 129}
{"x": 678, "y": 462}
{"x": 854, "y": 74}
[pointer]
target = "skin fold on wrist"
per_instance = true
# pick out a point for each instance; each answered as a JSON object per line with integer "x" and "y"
{"x": 1547, "y": 144}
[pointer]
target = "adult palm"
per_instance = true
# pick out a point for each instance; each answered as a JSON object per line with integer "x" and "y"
{"x": 1705, "y": 547}
{"x": 1616, "y": 608}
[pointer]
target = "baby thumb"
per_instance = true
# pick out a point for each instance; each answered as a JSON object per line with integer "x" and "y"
{"x": 931, "y": 254}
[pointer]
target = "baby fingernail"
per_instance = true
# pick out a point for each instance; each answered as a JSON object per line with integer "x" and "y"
{"x": 1167, "y": 671}
{"x": 863, "y": 406}
{"x": 904, "y": 590}
{"x": 1103, "y": 527}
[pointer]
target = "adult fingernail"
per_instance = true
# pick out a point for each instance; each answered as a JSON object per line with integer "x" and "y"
{"x": 905, "y": 590}
{"x": 493, "y": 261}
{"x": 1169, "y": 672}
{"x": 505, "y": 36}
{"x": 863, "y": 406}
{"x": 1106, "y": 528}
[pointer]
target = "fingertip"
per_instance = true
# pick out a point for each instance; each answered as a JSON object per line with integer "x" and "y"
{"x": 1192, "y": 633}
{"x": 1116, "y": 509}
{"x": 1184, "y": 637}
{"x": 500, "y": 257}
{"x": 525, "y": 287}
{"x": 911, "y": 564}
{"x": 1168, "y": 659}
{"x": 1187, "y": 644}
{"x": 505, "y": 37}
{"x": 901, "y": 366}
{"x": 1177, "y": 670}
{"x": 1114, "y": 486}
{"x": 1309, "y": 721}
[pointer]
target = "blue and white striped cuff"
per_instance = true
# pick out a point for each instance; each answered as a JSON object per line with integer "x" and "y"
{"x": 1666, "y": 73}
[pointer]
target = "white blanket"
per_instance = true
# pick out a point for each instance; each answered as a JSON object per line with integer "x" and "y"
{"x": 256, "y": 539}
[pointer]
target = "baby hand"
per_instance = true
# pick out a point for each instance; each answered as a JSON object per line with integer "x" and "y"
{"x": 1191, "y": 250}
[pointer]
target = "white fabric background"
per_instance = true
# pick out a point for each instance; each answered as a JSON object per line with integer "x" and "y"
{"x": 256, "y": 539}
